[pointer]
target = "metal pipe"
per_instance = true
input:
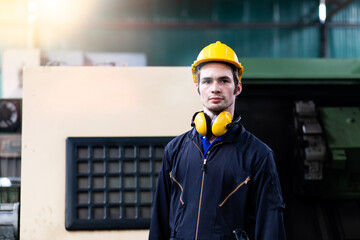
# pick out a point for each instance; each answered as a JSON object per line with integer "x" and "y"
{"x": 324, "y": 40}
{"x": 199, "y": 25}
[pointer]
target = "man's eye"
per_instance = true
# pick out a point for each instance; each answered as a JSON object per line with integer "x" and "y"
{"x": 206, "y": 81}
{"x": 225, "y": 81}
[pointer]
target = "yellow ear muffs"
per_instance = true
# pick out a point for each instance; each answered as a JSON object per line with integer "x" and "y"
{"x": 206, "y": 127}
{"x": 202, "y": 123}
{"x": 220, "y": 122}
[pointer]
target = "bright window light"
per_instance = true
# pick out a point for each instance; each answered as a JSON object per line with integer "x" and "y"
{"x": 32, "y": 6}
{"x": 31, "y": 18}
{"x": 5, "y": 182}
{"x": 322, "y": 11}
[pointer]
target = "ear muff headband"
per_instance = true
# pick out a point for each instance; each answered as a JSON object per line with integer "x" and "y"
{"x": 206, "y": 127}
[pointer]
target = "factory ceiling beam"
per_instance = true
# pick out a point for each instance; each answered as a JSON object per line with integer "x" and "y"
{"x": 187, "y": 25}
{"x": 340, "y": 5}
{"x": 198, "y": 25}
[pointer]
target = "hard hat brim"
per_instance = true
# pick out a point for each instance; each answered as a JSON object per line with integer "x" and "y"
{"x": 198, "y": 62}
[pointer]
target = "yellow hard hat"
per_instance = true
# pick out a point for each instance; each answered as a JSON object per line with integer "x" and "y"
{"x": 218, "y": 52}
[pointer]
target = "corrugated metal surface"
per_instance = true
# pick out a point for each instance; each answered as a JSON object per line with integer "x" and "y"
{"x": 349, "y": 14}
{"x": 344, "y": 41}
{"x": 165, "y": 30}
{"x": 179, "y": 46}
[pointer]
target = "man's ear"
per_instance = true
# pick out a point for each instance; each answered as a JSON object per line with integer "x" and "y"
{"x": 197, "y": 88}
{"x": 238, "y": 89}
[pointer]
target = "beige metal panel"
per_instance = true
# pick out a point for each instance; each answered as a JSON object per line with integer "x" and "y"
{"x": 13, "y": 62}
{"x": 60, "y": 102}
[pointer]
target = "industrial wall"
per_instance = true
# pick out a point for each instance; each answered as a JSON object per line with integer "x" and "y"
{"x": 170, "y": 33}
{"x": 62, "y": 102}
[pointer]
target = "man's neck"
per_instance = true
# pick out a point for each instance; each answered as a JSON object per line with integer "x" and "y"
{"x": 211, "y": 139}
{"x": 212, "y": 114}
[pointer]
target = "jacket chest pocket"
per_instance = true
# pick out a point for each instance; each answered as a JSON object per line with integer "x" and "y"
{"x": 230, "y": 211}
{"x": 237, "y": 188}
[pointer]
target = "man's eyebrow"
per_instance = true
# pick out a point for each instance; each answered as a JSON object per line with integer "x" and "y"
{"x": 224, "y": 78}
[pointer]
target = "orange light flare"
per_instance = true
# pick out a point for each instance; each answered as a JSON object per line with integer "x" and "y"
{"x": 65, "y": 15}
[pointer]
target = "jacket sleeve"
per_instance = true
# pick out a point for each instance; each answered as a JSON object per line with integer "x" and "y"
{"x": 159, "y": 227}
{"x": 268, "y": 202}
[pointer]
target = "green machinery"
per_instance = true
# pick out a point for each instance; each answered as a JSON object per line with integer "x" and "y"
{"x": 342, "y": 131}
{"x": 329, "y": 148}
{"x": 308, "y": 112}
{"x": 320, "y": 98}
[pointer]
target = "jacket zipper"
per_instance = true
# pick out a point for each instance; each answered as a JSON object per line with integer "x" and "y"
{"x": 244, "y": 182}
{"x": 202, "y": 184}
{"x": 172, "y": 177}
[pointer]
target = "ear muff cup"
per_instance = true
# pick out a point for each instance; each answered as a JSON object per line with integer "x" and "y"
{"x": 216, "y": 127}
{"x": 220, "y": 122}
{"x": 202, "y": 123}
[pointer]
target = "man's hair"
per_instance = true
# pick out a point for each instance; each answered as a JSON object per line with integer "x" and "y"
{"x": 235, "y": 72}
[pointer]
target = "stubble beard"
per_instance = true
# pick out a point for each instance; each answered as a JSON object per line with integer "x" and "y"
{"x": 218, "y": 108}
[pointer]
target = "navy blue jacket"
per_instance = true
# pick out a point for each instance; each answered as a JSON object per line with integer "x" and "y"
{"x": 236, "y": 187}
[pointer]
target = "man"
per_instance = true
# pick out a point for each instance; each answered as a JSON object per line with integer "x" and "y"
{"x": 217, "y": 180}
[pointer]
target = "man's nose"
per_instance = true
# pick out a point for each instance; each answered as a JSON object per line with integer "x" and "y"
{"x": 215, "y": 87}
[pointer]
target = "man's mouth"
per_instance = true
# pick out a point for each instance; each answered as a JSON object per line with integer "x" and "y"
{"x": 215, "y": 99}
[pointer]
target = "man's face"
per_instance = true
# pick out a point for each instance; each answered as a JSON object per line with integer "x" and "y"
{"x": 217, "y": 89}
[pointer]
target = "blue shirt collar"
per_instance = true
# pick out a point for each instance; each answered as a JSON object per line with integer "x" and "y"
{"x": 206, "y": 144}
